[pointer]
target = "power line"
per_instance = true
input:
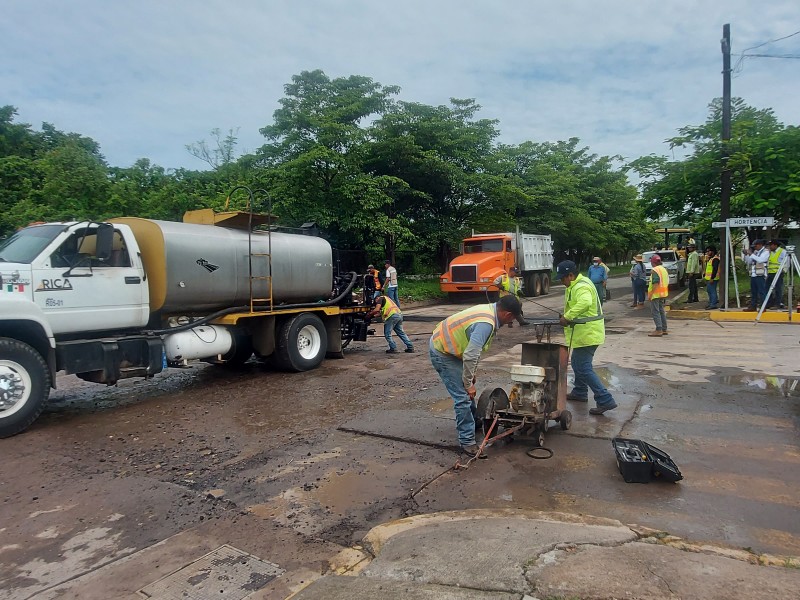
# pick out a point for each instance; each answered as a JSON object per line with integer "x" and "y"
{"x": 738, "y": 67}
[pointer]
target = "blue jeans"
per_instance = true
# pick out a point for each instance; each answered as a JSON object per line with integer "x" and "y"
{"x": 758, "y": 289}
{"x": 392, "y": 293}
{"x": 777, "y": 294}
{"x": 711, "y": 289}
{"x": 659, "y": 314}
{"x": 639, "y": 287}
{"x": 585, "y": 377}
{"x": 395, "y": 323}
{"x": 450, "y": 369}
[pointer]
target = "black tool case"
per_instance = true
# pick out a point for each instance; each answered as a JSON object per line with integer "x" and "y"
{"x": 639, "y": 462}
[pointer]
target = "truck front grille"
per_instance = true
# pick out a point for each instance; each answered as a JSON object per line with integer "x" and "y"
{"x": 465, "y": 273}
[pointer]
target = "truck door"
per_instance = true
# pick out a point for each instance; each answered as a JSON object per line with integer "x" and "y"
{"x": 80, "y": 291}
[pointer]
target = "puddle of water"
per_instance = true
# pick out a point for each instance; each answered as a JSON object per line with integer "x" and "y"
{"x": 442, "y": 406}
{"x": 611, "y": 381}
{"x": 344, "y": 491}
{"x": 786, "y": 386}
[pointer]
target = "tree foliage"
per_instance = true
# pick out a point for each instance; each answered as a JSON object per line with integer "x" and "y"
{"x": 764, "y": 160}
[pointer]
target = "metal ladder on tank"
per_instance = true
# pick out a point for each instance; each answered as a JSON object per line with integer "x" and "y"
{"x": 267, "y": 300}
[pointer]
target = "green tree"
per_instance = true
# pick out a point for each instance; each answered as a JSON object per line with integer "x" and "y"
{"x": 763, "y": 161}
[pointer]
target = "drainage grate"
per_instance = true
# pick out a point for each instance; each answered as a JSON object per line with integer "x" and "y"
{"x": 227, "y": 572}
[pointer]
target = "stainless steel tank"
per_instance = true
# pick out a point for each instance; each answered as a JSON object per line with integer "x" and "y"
{"x": 194, "y": 267}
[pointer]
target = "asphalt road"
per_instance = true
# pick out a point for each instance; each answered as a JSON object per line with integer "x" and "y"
{"x": 114, "y": 488}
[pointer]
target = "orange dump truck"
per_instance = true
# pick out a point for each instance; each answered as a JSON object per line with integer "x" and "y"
{"x": 486, "y": 256}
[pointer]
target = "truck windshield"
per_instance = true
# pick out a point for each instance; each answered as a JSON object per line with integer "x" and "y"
{"x": 474, "y": 246}
{"x": 26, "y": 244}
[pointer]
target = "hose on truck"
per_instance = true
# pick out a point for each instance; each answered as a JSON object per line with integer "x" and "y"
{"x": 227, "y": 311}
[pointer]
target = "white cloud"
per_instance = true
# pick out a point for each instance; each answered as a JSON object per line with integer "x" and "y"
{"x": 145, "y": 78}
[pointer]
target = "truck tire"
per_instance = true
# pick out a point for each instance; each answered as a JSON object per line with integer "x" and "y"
{"x": 529, "y": 281}
{"x": 537, "y": 283}
{"x": 241, "y": 352}
{"x": 301, "y": 343}
{"x": 545, "y": 283}
{"x": 24, "y": 386}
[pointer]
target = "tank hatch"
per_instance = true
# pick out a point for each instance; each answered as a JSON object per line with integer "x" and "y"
{"x": 233, "y": 219}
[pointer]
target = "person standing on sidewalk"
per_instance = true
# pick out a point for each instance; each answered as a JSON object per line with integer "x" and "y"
{"x": 639, "y": 281}
{"x": 390, "y": 282}
{"x": 711, "y": 277}
{"x": 657, "y": 293}
{"x": 584, "y": 331}
{"x": 598, "y": 274}
{"x": 510, "y": 284}
{"x": 756, "y": 261}
{"x": 392, "y": 321}
{"x": 455, "y": 351}
{"x": 777, "y": 256}
{"x": 692, "y": 272}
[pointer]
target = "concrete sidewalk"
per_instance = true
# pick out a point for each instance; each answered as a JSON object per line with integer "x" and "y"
{"x": 515, "y": 554}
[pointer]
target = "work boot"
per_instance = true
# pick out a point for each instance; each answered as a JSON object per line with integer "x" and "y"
{"x": 599, "y": 410}
{"x": 655, "y": 333}
{"x": 472, "y": 450}
{"x": 634, "y": 305}
{"x": 665, "y": 332}
{"x": 391, "y": 351}
{"x": 575, "y": 398}
{"x": 525, "y": 323}
{"x": 510, "y": 325}
{"x": 409, "y": 350}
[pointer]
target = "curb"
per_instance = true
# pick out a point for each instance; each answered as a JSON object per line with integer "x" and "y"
{"x": 734, "y": 316}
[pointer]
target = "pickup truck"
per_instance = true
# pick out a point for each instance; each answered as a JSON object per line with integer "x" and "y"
{"x": 674, "y": 264}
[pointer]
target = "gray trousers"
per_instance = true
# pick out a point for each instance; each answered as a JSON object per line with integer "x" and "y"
{"x": 659, "y": 314}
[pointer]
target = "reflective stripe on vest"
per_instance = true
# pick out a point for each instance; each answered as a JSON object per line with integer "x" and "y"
{"x": 376, "y": 278}
{"x": 774, "y": 263}
{"x": 450, "y": 336}
{"x": 389, "y": 308}
{"x": 506, "y": 285}
{"x": 710, "y": 268}
{"x": 662, "y": 289}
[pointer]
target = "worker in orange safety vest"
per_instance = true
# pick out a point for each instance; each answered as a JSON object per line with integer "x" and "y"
{"x": 657, "y": 292}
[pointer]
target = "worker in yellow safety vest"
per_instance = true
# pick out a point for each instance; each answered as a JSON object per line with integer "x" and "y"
{"x": 373, "y": 281}
{"x": 657, "y": 292}
{"x": 510, "y": 283}
{"x": 392, "y": 321}
{"x": 585, "y": 331}
{"x": 775, "y": 269}
{"x": 711, "y": 276}
{"x": 455, "y": 350}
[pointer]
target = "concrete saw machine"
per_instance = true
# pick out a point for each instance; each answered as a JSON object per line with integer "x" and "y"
{"x": 537, "y": 397}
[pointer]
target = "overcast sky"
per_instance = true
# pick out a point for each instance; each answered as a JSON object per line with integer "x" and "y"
{"x": 146, "y": 77}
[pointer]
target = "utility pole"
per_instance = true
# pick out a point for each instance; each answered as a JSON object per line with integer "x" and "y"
{"x": 725, "y": 181}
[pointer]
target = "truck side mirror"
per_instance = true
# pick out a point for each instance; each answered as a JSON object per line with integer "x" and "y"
{"x": 105, "y": 241}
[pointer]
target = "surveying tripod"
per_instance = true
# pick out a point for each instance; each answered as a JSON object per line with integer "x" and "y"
{"x": 792, "y": 266}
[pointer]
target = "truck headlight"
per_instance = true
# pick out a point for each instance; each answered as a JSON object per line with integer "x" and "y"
{"x": 445, "y": 280}
{"x": 484, "y": 280}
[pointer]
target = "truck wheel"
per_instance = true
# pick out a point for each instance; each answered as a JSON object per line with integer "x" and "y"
{"x": 537, "y": 284}
{"x": 545, "y": 283}
{"x": 301, "y": 344}
{"x": 529, "y": 279}
{"x": 24, "y": 386}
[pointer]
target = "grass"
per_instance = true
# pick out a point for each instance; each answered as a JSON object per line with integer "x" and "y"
{"x": 419, "y": 288}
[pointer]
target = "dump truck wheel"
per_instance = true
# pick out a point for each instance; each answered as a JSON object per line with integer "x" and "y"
{"x": 537, "y": 284}
{"x": 24, "y": 386}
{"x": 545, "y": 283}
{"x": 301, "y": 344}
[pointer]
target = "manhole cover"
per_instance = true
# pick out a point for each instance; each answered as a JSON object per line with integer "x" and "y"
{"x": 227, "y": 572}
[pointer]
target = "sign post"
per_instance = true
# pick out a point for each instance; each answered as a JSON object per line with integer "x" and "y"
{"x": 738, "y": 222}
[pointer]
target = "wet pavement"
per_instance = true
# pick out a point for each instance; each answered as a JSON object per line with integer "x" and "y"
{"x": 109, "y": 490}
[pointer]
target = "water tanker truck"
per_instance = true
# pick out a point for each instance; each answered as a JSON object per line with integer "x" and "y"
{"x": 128, "y": 297}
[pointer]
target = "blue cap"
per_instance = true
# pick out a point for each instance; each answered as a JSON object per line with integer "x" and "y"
{"x": 566, "y": 267}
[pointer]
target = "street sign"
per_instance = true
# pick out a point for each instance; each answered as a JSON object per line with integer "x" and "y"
{"x": 751, "y": 221}
{"x": 718, "y": 225}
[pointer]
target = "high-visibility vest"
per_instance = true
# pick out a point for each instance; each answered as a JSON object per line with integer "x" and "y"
{"x": 591, "y": 332}
{"x": 662, "y": 289}
{"x": 774, "y": 263}
{"x": 374, "y": 273}
{"x": 506, "y": 285}
{"x": 710, "y": 268}
{"x": 389, "y": 308}
{"x": 450, "y": 336}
